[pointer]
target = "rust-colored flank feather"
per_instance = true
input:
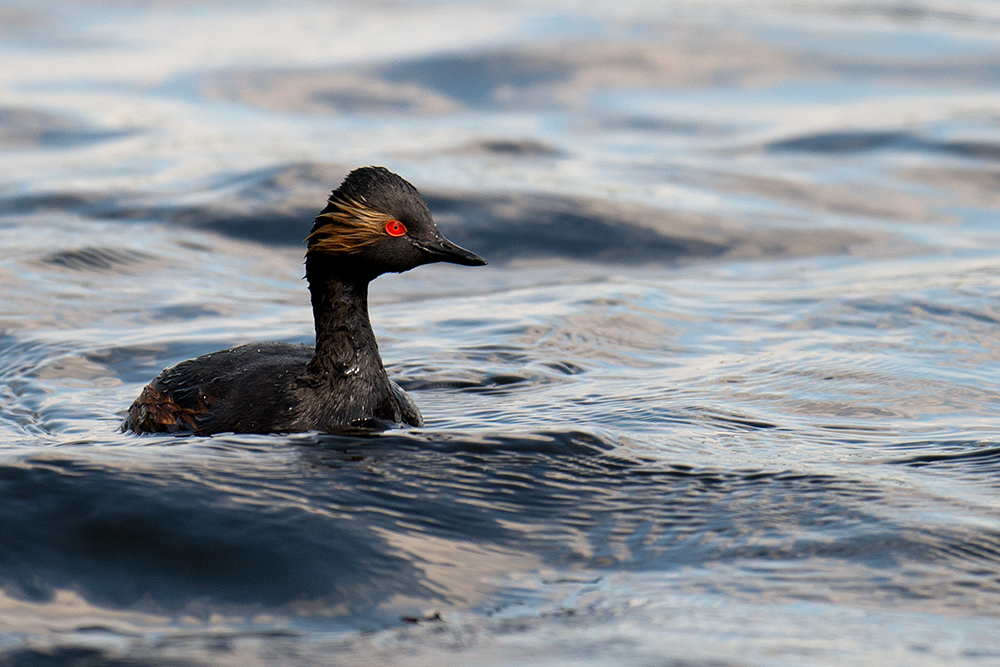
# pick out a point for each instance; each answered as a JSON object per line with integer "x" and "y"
{"x": 156, "y": 411}
{"x": 352, "y": 225}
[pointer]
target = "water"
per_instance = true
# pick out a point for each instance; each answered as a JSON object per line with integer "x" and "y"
{"x": 726, "y": 394}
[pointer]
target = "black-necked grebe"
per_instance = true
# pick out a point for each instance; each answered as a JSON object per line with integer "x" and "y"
{"x": 374, "y": 223}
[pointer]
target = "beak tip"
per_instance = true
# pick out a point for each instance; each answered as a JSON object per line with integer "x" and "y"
{"x": 466, "y": 261}
{"x": 475, "y": 260}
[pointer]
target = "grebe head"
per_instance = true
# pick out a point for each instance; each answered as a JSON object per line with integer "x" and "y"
{"x": 376, "y": 223}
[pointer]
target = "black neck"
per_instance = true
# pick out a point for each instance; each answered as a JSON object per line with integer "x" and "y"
{"x": 345, "y": 342}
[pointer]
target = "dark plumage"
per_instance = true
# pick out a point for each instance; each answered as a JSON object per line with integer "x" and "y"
{"x": 374, "y": 223}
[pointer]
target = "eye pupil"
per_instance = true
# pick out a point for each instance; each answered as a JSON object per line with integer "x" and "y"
{"x": 395, "y": 228}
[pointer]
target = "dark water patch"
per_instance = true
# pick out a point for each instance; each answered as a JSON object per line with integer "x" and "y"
{"x": 97, "y": 259}
{"x": 507, "y": 227}
{"x": 542, "y": 443}
{"x": 964, "y": 458}
{"x": 132, "y": 541}
{"x": 512, "y": 148}
{"x": 742, "y": 422}
{"x": 978, "y": 150}
{"x": 56, "y": 202}
{"x": 841, "y": 142}
{"x": 424, "y": 377}
{"x": 949, "y": 314}
{"x": 510, "y": 228}
{"x": 30, "y": 128}
{"x": 480, "y": 80}
{"x": 182, "y": 312}
{"x": 565, "y": 367}
{"x": 857, "y": 141}
{"x": 437, "y": 381}
{"x": 84, "y": 656}
{"x": 670, "y": 126}
{"x": 264, "y": 226}
{"x": 364, "y": 100}
{"x": 493, "y": 383}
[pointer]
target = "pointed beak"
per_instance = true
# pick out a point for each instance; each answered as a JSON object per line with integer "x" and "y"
{"x": 443, "y": 250}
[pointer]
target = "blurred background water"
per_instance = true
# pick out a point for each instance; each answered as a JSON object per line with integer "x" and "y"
{"x": 726, "y": 395}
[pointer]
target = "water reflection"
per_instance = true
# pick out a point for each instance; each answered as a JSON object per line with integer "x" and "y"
{"x": 371, "y": 528}
{"x": 725, "y": 394}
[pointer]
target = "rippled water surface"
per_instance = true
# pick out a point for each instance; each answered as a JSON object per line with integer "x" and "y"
{"x": 727, "y": 393}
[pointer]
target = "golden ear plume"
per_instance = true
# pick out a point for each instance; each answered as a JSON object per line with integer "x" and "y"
{"x": 352, "y": 226}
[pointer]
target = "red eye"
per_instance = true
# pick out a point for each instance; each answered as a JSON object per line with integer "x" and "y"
{"x": 395, "y": 228}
